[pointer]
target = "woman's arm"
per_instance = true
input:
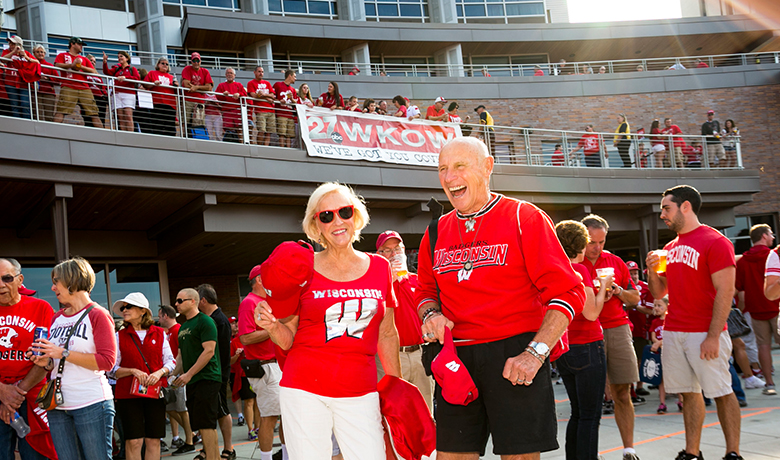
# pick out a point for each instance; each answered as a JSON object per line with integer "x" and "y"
{"x": 388, "y": 345}
{"x": 592, "y": 311}
{"x": 282, "y": 332}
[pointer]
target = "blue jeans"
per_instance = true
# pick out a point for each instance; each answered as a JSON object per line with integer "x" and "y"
{"x": 736, "y": 384}
{"x": 584, "y": 372}
{"x": 20, "y": 101}
{"x": 8, "y": 441}
{"x": 83, "y": 433}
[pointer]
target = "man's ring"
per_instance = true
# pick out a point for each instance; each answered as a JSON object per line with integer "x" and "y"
{"x": 430, "y": 335}
{"x": 519, "y": 380}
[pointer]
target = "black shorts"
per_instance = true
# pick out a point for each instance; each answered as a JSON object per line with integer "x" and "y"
{"x": 202, "y": 405}
{"x": 222, "y": 403}
{"x": 246, "y": 390}
{"x": 521, "y": 419}
{"x": 141, "y": 417}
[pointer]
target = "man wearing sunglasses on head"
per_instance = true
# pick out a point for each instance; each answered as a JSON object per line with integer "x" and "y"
{"x": 390, "y": 245}
{"x": 202, "y": 375}
{"x": 20, "y": 380}
{"x": 197, "y": 80}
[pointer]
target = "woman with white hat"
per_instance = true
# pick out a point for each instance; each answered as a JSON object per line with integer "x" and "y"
{"x": 143, "y": 359}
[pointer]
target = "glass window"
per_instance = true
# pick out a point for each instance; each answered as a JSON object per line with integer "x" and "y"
{"x": 498, "y": 8}
{"x": 475, "y": 10}
{"x": 739, "y": 234}
{"x": 294, "y": 6}
{"x": 495, "y": 10}
{"x": 275, "y": 5}
{"x": 410, "y": 10}
{"x": 139, "y": 277}
{"x": 221, "y": 3}
{"x": 524, "y": 9}
{"x": 319, "y": 8}
{"x": 370, "y": 9}
{"x": 194, "y": 2}
{"x": 394, "y": 9}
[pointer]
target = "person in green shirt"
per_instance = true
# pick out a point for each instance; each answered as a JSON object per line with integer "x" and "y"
{"x": 201, "y": 370}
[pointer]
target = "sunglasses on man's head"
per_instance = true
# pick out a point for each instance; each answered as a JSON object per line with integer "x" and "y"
{"x": 10, "y": 278}
{"x": 181, "y": 301}
{"x": 345, "y": 213}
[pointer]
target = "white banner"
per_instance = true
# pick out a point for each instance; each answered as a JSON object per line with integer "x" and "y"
{"x": 348, "y": 135}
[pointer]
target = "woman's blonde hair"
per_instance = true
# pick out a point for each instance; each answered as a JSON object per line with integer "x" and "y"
{"x": 310, "y": 218}
{"x": 76, "y": 274}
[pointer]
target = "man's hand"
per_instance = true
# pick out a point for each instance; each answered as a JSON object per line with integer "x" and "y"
{"x": 12, "y": 396}
{"x": 710, "y": 348}
{"x": 651, "y": 262}
{"x": 6, "y": 414}
{"x": 521, "y": 369}
{"x": 433, "y": 329}
{"x": 182, "y": 380}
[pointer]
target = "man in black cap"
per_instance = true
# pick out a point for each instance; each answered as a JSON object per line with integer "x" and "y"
{"x": 490, "y": 134}
{"x": 711, "y": 129}
{"x": 75, "y": 87}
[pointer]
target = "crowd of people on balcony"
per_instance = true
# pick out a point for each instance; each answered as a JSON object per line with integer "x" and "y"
{"x": 72, "y": 91}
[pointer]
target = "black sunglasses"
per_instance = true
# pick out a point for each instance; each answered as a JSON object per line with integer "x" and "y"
{"x": 345, "y": 213}
{"x": 125, "y": 307}
{"x": 181, "y": 301}
{"x": 7, "y": 279}
{"x": 196, "y": 60}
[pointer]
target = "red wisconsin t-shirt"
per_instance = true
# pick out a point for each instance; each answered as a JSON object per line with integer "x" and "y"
{"x": 334, "y": 348}
{"x": 260, "y": 86}
{"x": 674, "y": 129}
{"x": 287, "y": 93}
{"x": 613, "y": 314}
{"x": 160, "y": 94}
{"x": 582, "y": 330}
{"x": 589, "y": 143}
{"x": 198, "y": 78}
{"x": 657, "y": 326}
{"x": 231, "y": 108}
{"x": 17, "y": 328}
{"x": 406, "y": 320}
{"x": 693, "y": 258}
{"x": 73, "y": 80}
{"x": 173, "y": 339}
{"x": 246, "y": 325}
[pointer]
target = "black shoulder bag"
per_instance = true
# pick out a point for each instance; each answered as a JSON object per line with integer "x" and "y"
{"x": 431, "y": 349}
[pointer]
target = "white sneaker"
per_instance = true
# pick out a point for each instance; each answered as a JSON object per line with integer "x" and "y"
{"x": 753, "y": 382}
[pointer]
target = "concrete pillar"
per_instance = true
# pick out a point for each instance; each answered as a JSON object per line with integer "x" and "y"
{"x": 360, "y": 56}
{"x": 59, "y": 226}
{"x": 443, "y": 11}
{"x": 352, "y": 10}
{"x": 255, "y": 6}
{"x": 150, "y": 29}
{"x": 453, "y": 56}
{"x": 263, "y": 52}
{"x": 31, "y": 21}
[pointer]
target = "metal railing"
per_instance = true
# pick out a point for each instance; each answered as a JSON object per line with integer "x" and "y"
{"x": 159, "y": 109}
{"x": 440, "y": 70}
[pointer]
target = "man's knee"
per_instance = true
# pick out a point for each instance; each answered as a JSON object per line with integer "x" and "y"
{"x": 620, "y": 391}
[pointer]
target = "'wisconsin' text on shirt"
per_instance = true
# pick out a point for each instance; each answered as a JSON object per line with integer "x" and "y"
{"x": 348, "y": 294}
{"x": 494, "y": 254}
{"x": 683, "y": 254}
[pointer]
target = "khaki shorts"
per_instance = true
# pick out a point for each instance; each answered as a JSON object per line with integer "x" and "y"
{"x": 679, "y": 158}
{"x": 764, "y": 330}
{"x": 716, "y": 151}
{"x": 69, "y": 97}
{"x": 622, "y": 367}
{"x": 285, "y": 126}
{"x": 265, "y": 122}
{"x": 267, "y": 390}
{"x": 412, "y": 371}
{"x": 686, "y": 372}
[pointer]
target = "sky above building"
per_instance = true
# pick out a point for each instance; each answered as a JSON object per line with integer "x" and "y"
{"x": 622, "y": 10}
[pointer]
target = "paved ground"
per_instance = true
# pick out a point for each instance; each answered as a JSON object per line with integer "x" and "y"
{"x": 656, "y": 436}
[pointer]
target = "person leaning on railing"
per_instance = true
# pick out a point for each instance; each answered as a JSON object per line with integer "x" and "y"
{"x": 22, "y": 68}
{"x": 100, "y": 93}
{"x": 197, "y": 80}
{"x": 622, "y": 140}
{"x": 730, "y": 135}
{"x": 46, "y": 98}
{"x": 161, "y": 83}
{"x": 75, "y": 90}
{"x": 124, "y": 91}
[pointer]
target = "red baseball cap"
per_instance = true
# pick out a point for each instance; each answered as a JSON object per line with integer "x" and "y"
{"x": 255, "y": 272}
{"x": 408, "y": 419}
{"x": 285, "y": 273}
{"x": 456, "y": 384}
{"x": 232, "y": 319}
{"x": 386, "y": 235}
{"x": 195, "y": 55}
{"x": 632, "y": 265}
{"x": 25, "y": 291}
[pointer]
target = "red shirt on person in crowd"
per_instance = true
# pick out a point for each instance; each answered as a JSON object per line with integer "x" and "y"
{"x": 161, "y": 94}
{"x": 702, "y": 65}
{"x": 246, "y": 325}
{"x": 432, "y": 112}
{"x": 96, "y": 86}
{"x": 259, "y": 87}
{"x": 673, "y": 130}
{"x": 657, "y": 327}
{"x": 46, "y": 85}
{"x": 589, "y": 143}
{"x": 657, "y": 140}
{"x": 196, "y": 77}
{"x": 17, "y": 64}
{"x": 692, "y": 259}
{"x": 231, "y": 109}
{"x": 558, "y": 159}
{"x": 538, "y": 73}
{"x": 509, "y": 284}
{"x": 129, "y": 72}
{"x": 406, "y": 320}
{"x": 73, "y": 80}
{"x": 582, "y": 330}
{"x": 16, "y": 336}
{"x": 286, "y": 97}
{"x": 640, "y": 321}
{"x": 329, "y": 100}
{"x": 750, "y": 280}
{"x": 173, "y": 338}
{"x": 613, "y": 314}
{"x": 336, "y": 341}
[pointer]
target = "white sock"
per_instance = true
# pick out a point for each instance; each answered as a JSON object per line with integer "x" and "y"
{"x": 240, "y": 414}
{"x": 629, "y": 450}
{"x": 175, "y": 438}
{"x": 266, "y": 455}
{"x": 284, "y": 452}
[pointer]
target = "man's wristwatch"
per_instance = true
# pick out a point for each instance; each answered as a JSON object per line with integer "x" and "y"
{"x": 65, "y": 353}
{"x": 538, "y": 350}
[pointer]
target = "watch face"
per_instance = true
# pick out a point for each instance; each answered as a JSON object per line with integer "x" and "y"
{"x": 541, "y": 348}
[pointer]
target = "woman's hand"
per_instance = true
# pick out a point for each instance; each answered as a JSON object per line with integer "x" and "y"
{"x": 105, "y": 56}
{"x": 264, "y": 316}
{"x": 142, "y": 376}
{"x": 47, "y": 350}
{"x": 155, "y": 377}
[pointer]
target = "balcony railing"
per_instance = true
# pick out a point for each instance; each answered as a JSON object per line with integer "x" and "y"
{"x": 216, "y": 117}
{"x": 438, "y": 70}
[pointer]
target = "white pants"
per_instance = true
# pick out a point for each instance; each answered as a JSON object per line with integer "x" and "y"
{"x": 750, "y": 343}
{"x": 309, "y": 420}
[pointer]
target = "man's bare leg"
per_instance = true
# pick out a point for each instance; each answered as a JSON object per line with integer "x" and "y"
{"x": 210, "y": 443}
{"x": 624, "y": 412}
{"x": 693, "y": 416}
{"x": 730, "y": 420}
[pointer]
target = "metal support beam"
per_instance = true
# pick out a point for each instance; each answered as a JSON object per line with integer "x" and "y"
{"x": 59, "y": 225}
{"x": 643, "y": 245}
{"x": 196, "y": 206}
{"x": 38, "y": 213}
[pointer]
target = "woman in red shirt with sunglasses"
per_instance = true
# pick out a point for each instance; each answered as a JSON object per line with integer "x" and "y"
{"x": 344, "y": 319}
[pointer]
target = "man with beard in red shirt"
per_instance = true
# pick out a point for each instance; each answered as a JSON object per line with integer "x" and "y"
{"x": 20, "y": 380}
{"x": 699, "y": 279}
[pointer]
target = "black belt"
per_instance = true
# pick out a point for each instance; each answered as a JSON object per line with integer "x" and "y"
{"x": 266, "y": 361}
{"x": 410, "y": 349}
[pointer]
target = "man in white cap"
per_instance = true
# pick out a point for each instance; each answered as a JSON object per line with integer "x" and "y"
{"x": 436, "y": 111}
{"x": 390, "y": 245}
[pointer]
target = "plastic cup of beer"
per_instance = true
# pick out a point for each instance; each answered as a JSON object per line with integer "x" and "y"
{"x": 661, "y": 253}
{"x": 603, "y": 273}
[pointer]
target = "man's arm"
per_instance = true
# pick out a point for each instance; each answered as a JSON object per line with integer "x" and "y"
{"x": 254, "y": 337}
{"x": 630, "y": 297}
{"x": 186, "y": 83}
{"x": 522, "y": 369}
{"x": 723, "y": 280}
{"x": 208, "y": 351}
